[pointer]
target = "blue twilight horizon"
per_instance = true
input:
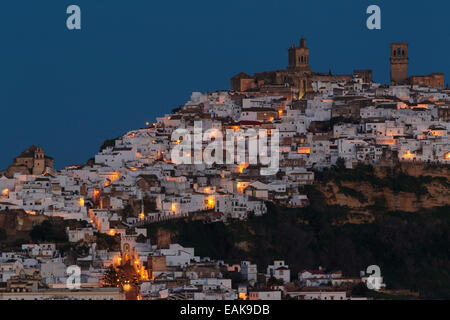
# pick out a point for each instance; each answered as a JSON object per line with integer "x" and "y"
{"x": 132, "y": 61}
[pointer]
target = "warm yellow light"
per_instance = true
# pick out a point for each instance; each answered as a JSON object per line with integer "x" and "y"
{"x": 141, "y": 216}
{"x": 242, "y": 296}
{"x": 408, "y": 154}
{"x": 389, "y": 142}
{"x": 447, "y": 156}
{"x": 304, "y": 150}
{"x": 211, "y": 202}
{"x": 271, "y": 119}
{"x": 126, "y": 287}
{"x": 436, "y": 133}
{"x": 235, "y": 128}
{"x": 112, "y": 232}
{"x": 5, "y": 192}
{"x": 174, "y": 206}
{"x": 81, "y": 202}
{"x": 240, "y": 187}
{"x": 112, "y": 177}
{"x": 242, "y": 166}
{"x": 280, "y": 112}
{"x": 144, "y": 274}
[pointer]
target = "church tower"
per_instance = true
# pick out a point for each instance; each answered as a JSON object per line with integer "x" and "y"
{"x": 39, "y": 161}
{"x": 399, "y": 62}
{"x": 299, "y": 58}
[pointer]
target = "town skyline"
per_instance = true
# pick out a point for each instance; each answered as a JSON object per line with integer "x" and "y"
{"x": 302, "y": 43}
{"x": 86, "y": 109}
{"x": 303, "y": 165}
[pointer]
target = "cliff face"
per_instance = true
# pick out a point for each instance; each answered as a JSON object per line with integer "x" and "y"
{"x": 402, "y": 243}
{"x": 350, "y": 224}
{"x": 438, "y": 195}
{"x": 408, "y": 187}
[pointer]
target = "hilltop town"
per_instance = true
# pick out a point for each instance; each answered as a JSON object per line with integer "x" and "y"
{"x": 97, "y": 215}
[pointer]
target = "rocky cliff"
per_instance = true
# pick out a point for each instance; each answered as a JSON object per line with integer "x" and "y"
{"x": 406, "y": 187}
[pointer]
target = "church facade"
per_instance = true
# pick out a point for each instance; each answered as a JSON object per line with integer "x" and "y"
{"x": 297, "y": 75}
{"x": 32, "y": 161}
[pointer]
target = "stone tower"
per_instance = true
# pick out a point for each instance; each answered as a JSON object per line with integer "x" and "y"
{"x": 399, "y": 62}
{"x": 128, "y": 244}
{"x": 39, "y": 161}
{"x": 299, "y": 58}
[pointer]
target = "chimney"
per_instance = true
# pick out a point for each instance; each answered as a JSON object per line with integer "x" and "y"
{"x": 302, "y": 43}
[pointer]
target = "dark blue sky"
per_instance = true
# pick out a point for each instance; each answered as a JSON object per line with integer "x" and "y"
{"x": 134, "y": 60}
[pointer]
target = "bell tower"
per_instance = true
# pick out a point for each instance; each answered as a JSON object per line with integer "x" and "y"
{"x": 399, "y": 62}
{"x": 39, "y": 161}
{"x": 299, "y": 58}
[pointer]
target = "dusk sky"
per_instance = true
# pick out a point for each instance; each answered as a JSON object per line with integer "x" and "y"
{"x": 134, "y": 60}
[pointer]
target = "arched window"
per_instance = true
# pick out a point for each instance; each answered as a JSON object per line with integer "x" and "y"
{"x": 399, "y": 52}
{"x": 403, "y": 52}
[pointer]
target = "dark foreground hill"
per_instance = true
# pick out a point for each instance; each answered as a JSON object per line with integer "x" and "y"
{"x": 412, "y": 248}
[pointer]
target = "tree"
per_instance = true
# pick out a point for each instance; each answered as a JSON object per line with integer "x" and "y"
{"x": 340, "y": 164}
{"x": 105, "y": 241}
{"x": 2, "y": 234}
{"x": 272, "y": 281}
{"x": 141, "y": 238}
{"x": 48, "y": 231}
{"x": 113, "y": 277}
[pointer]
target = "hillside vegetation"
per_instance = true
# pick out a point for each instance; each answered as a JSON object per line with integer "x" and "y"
{"x": 349, "y": 226}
